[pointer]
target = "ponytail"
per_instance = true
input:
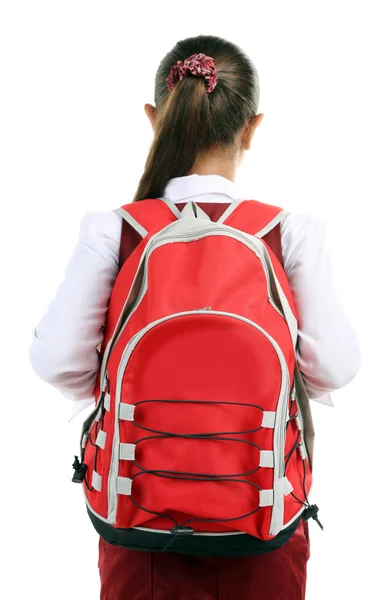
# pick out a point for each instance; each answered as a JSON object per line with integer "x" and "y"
{"x": 181, "y": 132}
{"x": 189, "y": 121}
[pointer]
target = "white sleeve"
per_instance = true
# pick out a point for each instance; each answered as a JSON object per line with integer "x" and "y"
{"x": 328, "y": 349}
{"x": 64, "y": 347}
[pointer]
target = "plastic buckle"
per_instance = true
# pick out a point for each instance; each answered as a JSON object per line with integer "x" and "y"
{"x": 80, "y": 471}
{"x": 182, "y": 531}
{"x": 312, "y": 513}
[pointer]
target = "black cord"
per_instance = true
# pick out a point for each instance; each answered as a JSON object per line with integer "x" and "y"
{"x": 165, "y": 436}
{"x": 291, "y": 419}
{"x": 295, "y": 446}
{"x": 304, "y": 481}
{"x": 225, "y": 479}
{"x": 100, "y": 421}
{"x": 197, "y": 436}
{"x": 196, "y": 475}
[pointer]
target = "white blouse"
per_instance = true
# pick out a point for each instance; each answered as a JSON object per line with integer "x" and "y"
{"x": 63, "y": 350}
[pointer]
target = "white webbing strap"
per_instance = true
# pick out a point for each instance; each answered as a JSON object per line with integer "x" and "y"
{"x": 282, "y": 487}
{"x": 281, "y": 215}
{"x": 234, "y": 204}
{"x": 132, "y": 222}
{"x": 126, "y": 411}
{"x": 106, "y": 402}
{"x": 124, "y": 486}
{"x": 269, "y": 419}
{"x": 266, "y": 498}
{"x": 299, "y": 422}
{"x": 96, "y": 481}
{"x": 127, "y": 451}
{"x": 171, "y": 205}
{"x": 84, "y": 440}
{"x": 101, "y": 439}
{"x": 98, "y": 415}
{"x": 287, "y": 487}
{"x": 266, "y": 459}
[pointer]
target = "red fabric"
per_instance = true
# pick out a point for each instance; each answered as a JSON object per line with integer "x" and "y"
{"x": 242, "y": 295}
{"x": 131, "y": 575}
{"x": 278, "y": 575}
{"x": 130, "y": 238}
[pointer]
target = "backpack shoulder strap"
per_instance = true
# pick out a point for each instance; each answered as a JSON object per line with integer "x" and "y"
{"x": 149, "y": 216}
{"x": 254, "y": 217}
{"x": 259, "y": 219}
{"x": 273, "y": 240}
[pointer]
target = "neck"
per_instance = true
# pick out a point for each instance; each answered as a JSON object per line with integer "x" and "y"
{"x": 216, "y": 162}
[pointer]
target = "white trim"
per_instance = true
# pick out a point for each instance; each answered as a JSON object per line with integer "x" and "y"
{"x": 124, "y": 486}
{"x": 101, "y": 439}
{"x": 198, "y": 230}
{"x": 96, "y": 481}
{"x": 188, "y": 212}
{"x": 266, "y": 459}
{"x": 91, "y": 509}
{"x": 282, "y": 487}
{"x": 171, "y": 206}
{"x": 299, "y": 422}
{"x": 285, "y": 306}
{"x": 126, "y": 411}
{"x": 106, "y": 402}
{"x": 84, "y": 440}
{"x": 271, "y": 225}
{"x": 269, "y": 419}
{"x": 199, "y": 533}
{"x": 132, "y": 222}
{"x": 266, "y": 498}
{"x": 127, "y": 451}
{"x": 287, "y": 486}
{"x": 234, "y": 204}
{"x": 278, "y": 416}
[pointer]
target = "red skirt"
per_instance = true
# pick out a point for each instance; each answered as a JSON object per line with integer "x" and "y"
{"x": 133, "y": 575}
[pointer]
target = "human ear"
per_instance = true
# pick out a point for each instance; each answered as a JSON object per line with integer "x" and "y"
{"x": 151, "y": 114}
{"x": 249, "y": 131}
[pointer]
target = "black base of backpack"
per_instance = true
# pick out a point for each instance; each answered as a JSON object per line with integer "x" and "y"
{"x": 227, "y": 545}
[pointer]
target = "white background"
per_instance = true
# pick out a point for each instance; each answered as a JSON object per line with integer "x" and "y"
{"x": 74, "y": 78}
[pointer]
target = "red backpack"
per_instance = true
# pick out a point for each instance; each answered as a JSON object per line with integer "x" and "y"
{"x": 196, "y": 441}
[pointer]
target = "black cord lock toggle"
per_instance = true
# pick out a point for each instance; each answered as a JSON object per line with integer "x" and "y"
{"x": 312, "y": 513}
{"x": 80, "y": 471}
{"x": 182, "y": 531}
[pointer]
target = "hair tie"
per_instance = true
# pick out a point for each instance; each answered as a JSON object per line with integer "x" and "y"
{"x": 198, "y": 65}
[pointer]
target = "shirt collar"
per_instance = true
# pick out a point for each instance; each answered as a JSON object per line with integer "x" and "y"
{"x": 181, "y": 188}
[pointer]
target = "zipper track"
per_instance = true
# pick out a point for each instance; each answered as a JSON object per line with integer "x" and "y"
{"x": 279, "y": 430}
{"x": 142, "y": 290}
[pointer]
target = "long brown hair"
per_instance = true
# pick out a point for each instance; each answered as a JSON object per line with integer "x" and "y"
{"x": 189, "y": 121}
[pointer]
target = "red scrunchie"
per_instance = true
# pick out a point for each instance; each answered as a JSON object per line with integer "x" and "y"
{"x": 197, "y": 64}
